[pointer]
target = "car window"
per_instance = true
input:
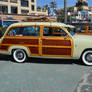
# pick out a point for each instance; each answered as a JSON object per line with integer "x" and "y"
{"x": 31, "y": 31}
{"x": 15, "y": 31}
{"x": 72, "y": 31}
{"x": 53, "y": 31}
{"x": 24, "y": 31}
{"x": 90, "y": 30}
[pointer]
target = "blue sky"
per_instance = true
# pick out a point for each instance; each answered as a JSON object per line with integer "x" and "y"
{"x": 60, "y": 3}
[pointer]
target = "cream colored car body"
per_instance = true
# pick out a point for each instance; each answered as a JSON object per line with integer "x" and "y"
{"x": 80, "y": 43}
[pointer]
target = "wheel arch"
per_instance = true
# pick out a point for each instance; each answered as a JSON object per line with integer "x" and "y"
{"x": 84, "y": 51}
{"x": 19, "y": 47}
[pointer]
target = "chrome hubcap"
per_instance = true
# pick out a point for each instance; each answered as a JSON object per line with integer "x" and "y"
{"x": 19, "y": 55}
{"x": 89, "y": 57}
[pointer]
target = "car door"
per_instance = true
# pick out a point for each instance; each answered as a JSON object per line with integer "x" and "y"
{"x": 56, "y": 42}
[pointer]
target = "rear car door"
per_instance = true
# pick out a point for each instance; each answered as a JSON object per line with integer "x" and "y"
{"x": 56, "y": 42}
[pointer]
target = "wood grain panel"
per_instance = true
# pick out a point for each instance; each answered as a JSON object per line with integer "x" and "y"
{"x": 56, "y": 51}
{"x": 34, "y": 50}
{"x": 2, "y": 47}
{"x": 56, "y": 42}
{"x": 20, "y": 41}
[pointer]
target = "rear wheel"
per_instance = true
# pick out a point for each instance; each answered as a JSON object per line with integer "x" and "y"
{"x": 19, "y": 55}
{"x": 87, "y": 57}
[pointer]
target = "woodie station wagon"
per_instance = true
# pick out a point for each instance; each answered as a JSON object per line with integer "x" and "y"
{"x": 47, "y": 40}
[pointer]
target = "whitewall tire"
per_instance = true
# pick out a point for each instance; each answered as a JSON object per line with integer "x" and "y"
{"x": 19, "y": 56}
{"x": 87, "y": 57}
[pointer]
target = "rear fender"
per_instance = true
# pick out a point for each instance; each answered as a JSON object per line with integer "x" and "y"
{"x": 19, "y": 47}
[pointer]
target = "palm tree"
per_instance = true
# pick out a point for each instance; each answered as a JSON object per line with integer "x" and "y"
{"x": 46, "y": 7}
{"x": 53, "y": 5}
{"x": 39, "y": 8}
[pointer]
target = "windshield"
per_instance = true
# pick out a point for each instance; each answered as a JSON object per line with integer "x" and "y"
{"x": 72, "y": 31}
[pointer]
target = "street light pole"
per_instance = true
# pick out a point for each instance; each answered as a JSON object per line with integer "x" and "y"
{"x": 65, "y": 11}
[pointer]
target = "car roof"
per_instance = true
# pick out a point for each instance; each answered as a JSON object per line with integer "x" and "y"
{"x": 41, "y": 23}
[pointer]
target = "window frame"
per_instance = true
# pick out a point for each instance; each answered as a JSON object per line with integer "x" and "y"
{"x": 24, "y": 3}
{"x": 32, "y": 1}
{"x": 13, "y": 8}
{"x": 6, "y": 34}
{"x": 65, "y": 30}
{"x": 33, "y": 7}
{"x": 3, "y": 9}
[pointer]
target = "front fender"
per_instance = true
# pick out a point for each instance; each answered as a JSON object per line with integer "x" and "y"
{"x": 81, "y": 44}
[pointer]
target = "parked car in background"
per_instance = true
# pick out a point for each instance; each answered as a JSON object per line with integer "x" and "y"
{"x": 83, "y": 28}
{"x": 45, "y": 40}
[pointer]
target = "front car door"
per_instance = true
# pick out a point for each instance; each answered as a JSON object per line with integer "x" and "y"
{"x": 56, "y": 42}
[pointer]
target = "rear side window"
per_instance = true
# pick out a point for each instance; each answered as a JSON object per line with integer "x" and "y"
{"x": 15, "y": 31}
{"x": 24, "y": 31}
{"x": 31, "y": 31}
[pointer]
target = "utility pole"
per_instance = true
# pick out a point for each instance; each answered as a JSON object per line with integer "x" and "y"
{"x": 65, "y": 11}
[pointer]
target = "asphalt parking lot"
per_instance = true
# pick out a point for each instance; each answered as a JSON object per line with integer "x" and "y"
{"x": 40, "y": 75}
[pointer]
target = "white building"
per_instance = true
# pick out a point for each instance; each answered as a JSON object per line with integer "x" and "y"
{"x": 81, "y": 13}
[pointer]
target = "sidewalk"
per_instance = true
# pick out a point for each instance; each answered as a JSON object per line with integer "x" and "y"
{"x": 85, "y": 84}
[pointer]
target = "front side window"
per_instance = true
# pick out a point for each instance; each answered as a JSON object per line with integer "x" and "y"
{"x": 53, "y": 31}
{"x": 24, "y": 31}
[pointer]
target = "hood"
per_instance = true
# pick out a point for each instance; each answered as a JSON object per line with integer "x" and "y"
{"x": 84, "y": 37}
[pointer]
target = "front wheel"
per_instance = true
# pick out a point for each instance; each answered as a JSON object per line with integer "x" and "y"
{"x": 19, "y": 56}
{"x": 87, "y": 57}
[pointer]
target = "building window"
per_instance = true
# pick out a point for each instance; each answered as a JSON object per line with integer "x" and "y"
{"x": 32, "y": 0}
{"x": 13, "y": 1}
{"x": 3, "y": 9}
{"x": 24, "y": 11}
{"x": 4, "y": 0}
{"x": 14, "y": 10}
{"x": 24, "y": 3}
{"x": 33, "y": 8}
